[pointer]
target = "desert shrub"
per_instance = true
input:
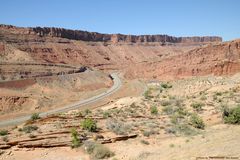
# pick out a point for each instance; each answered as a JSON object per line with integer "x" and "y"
{"x": 197, "y": 121}
{"x": 3, "y": 132}
{"x": 106, "y": 114}
{"x": 178, "y": 102}
{"x": 89, "y": 125}
{"x": 5, "y": 139}
{"x": 144, "y": 142}
{"x": 154, "y": 110}
{"x": 232, "y": 116}
{"x": 32, "y": 136}
{"x": 197, "y": 106}
{"x": 176, "y": 118}
{"x": 171, "y": 145}
{"x": 144, "y": 155}
{"x": 29, "y": 129}
{"x": 203, "y": 98}
{"x": 118, "y": 127}
{"x": 218, "y": 93}
{"x": 133, "y": 105}
{"x": 182, "y": 129}
{"x": 98, "y": 151}
{"x": 86, "y": 112}
{"x": 182, "y": 111}
{"x": 130, "y": 111}
{"x": 148, "y": 133}
{"x": 215, "y": 97}
{"x": 147, "y": 94}
{"x": 76, "y": 142}
{"x": 202, "y": 93}
{"x": 89, "y": 146}
{"x": 165, "y": 102}
{"x": 170, "y": 130}
{"x": 168, "y": 110}
{"x": 166, "y": 85}
{"x": 35, "y": 116}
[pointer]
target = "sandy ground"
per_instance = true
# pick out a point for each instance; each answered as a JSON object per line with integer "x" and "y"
{"x": 216, "y": 140}
{"x": 220, "y": 140}
{"x": 64, "y": 153}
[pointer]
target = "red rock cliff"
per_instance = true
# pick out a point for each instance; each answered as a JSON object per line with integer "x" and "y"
{"x": 218, "y": 59}
{"x": 94, "y": 36}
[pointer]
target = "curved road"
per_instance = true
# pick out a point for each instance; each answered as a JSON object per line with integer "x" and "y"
{"x": 117, "y": 84}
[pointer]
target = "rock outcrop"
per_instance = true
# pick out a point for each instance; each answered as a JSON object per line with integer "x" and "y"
{"x": 218, "y": 59}
{"x": 98, "y": 37}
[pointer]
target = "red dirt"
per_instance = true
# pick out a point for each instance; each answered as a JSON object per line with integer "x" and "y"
{"x": 18, "y": 84}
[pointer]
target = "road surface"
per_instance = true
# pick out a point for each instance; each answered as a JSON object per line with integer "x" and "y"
{"x": 116, "y": 85}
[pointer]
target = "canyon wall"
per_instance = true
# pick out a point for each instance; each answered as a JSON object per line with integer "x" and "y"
{"x": 98, "y": 37}
{"x": 218, "y": 59}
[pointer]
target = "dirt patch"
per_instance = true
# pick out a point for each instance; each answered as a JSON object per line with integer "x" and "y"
{"x": 18, "y": 84}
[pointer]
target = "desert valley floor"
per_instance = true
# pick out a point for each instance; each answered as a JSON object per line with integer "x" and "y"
{"x": 178, "y": 97}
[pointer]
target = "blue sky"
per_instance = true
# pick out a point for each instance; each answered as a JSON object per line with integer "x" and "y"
{"x": 172, "y": 17}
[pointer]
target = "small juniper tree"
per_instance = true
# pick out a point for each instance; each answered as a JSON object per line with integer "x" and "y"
{"x": 75, "y": 138}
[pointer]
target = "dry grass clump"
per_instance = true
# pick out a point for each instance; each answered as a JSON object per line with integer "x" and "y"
{"x": 118, "y": 127}
{"x": 97, "y": 150}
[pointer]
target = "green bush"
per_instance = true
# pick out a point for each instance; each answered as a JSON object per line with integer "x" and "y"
{"x": 182, "y": 111}
{"x": 147, "y": 94}
{"x": 28, "y": 129}
{"x": 197, "y": 106}
{"x": 98, "y": 151}
{"x": 166, "y": 85}
{"x": 218, "y": 93}
{"x": 75, "y": 138}
{"x": 3, "y": 132}
{"x": 87, "y": 112}
{"x": 154, "y": 110}
{"x": 89, "y": 124}
{"x": 232, "y": 116}
{"x": 196, "y": 121}
{"x": 35, "y": 116}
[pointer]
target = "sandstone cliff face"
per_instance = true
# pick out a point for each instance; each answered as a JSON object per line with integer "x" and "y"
{"x": 220, "y": 59}
{"x": 46, "y": 45}
{"x": 98, "y": 37}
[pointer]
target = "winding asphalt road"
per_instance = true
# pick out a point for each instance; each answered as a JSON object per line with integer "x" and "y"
{"x": 116, "y": 86}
